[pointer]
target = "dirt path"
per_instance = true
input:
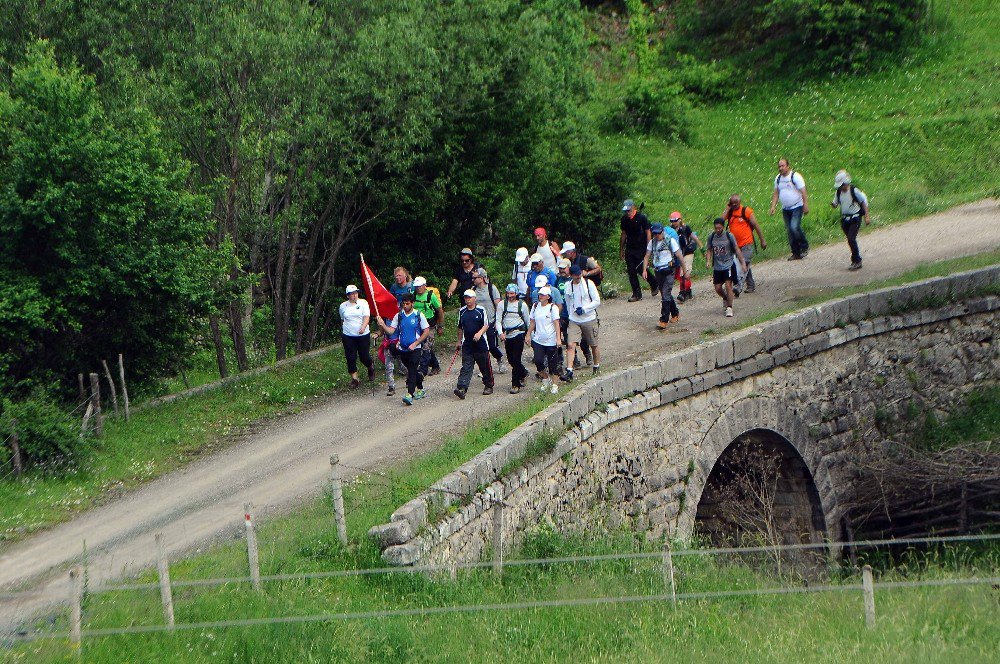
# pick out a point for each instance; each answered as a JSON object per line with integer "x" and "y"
{"x": 289, "y": 460}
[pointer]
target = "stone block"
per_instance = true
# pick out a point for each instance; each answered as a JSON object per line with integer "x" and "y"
{"x": 815, "y": 343}
{"x": 880, "y": 302}
{"x": 775, "y": 333}
{"x": 402, "y": 554}
{"x": 622, "y": 385}
{"x": 652, "y": 398}
{"x": 452, "y": 486}
{"x": 724, "y": 352}
{"x": 781, "y": 355}
{"x": 668, "y": 393}
{"x": 688, "y": 363}
{"x": 809, "y": 321}
{"x": 654, "y": 373}
{"x": 636, "y": 380}
{"x": 392, "y": 533}
{"x": 684, "y": 388}
{"x": 747, "y": 343}
{"x": 671, "y": 368}
{"x": 697, "y": 384}
{"x": 705, "y": 355}
{"x": 413, "y": 512}
{"x": 625, "y": 408}
{"x": 857, "y": 308}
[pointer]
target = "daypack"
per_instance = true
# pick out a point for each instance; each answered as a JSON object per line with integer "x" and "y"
{"x": 520, "y": 312}
{"x": 581, "y": 261}
{"x": 857, "y": 201}
{"x": 791, "y": 178}
{"x": 427, "y": 300}
{"x": 656, "y": 248}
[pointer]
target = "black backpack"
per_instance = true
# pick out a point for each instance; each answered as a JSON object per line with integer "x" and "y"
{"x": 854, "y": 197}
{"x": 520, "y": 312}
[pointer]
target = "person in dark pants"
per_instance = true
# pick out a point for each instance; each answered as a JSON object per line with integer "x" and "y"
{"x": 355, "y": 334}
{"x": 632, "y": 247}
{"x": 665, "y": 254}
{"x": 853, "y": 204}
{"x": 512, "y": 323}
{"x": 472, "y": 325}
{"x": 546, "y": 338}
{"x": 413, "y": 329}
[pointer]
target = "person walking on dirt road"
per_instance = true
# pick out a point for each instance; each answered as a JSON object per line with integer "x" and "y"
{"x": 488, "y": 297}
{"x": 520, "y": 272}
{"x": 582, "y": 301}
{"x": 356, "y": 335}
{"x": 464, "y": 273}
{"x": 665, "y": 254}
{"x": 472, "y": 325}
{"x": 790, "y": 189}
{"x": 546, "y": 338}
{"x": 412, "y": 328}
{"x": 428, "y": 303}
{"x": 511, "y": 326}
{"x": 689, "y": 242}
{"x": 546, "y": 248}
{"x": 722, "y": 253}
{"x": 853, "y": 206}
{"x": 632, "y": 247}
{"x": 743, "y": 224}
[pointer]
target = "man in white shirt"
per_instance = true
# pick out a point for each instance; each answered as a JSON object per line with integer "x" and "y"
{"x": 790, "y": 189}
{"x": 546, "y": 248}
{"x": 519, "y": 275}
{"x": 853, "y": 206}
{"x": 582, "y": 300}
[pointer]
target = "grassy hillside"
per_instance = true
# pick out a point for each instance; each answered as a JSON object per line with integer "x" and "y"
{"x": 918, "y": 138}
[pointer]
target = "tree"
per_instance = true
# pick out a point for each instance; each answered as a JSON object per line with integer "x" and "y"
{"x": 104, "y": 248}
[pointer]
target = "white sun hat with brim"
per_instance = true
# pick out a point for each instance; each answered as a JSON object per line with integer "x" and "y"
{"x": 351, "y": 289}
{"x": 567, "y": 246}
{"x": 521, "y": 254}
{"x": 469, "y": 293}
{"x": 841, "y": 178}
{"x": 545, "y": 290}
{"x": 419, "y": 281}
{"x": 541, "y": 280}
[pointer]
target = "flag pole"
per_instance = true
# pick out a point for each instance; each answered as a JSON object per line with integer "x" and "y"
{"x": 374, "y": 303}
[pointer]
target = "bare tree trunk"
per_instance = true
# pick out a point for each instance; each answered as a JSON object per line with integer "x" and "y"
{"x": 220, "y": 348}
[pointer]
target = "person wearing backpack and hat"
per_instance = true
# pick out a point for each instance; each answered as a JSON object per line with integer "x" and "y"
{"x": 589, "y": 267}
{"x": 665, "y": 254}
{"x": 519, "y": 274}
{"x": 412, "y": 329}
{"x": 853, "y": 204}
{"x": 582, "y": 301}
{"x": 538, "y": 269}
{"x": 511, "y": 326}
{"x": 790, "y": 189}
{"x": 743, "y": 224}
{"x": 722, "y": 253}
{"x": 472, "y": 326}
{"x": 488, "y": 297}
{"x": 428, "y": 303}
{"x": 546, "y": 338}
{"x": 635, "y": 237}
{"x": 464, "y": 273}
{"x": 689, "y": 242}
{"x": 356, "y": 335}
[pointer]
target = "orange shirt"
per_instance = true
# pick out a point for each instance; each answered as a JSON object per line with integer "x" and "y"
{"x": 740, "y": 227}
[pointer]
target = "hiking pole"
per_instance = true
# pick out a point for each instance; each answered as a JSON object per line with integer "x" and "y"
{"x": 453, "y": 358}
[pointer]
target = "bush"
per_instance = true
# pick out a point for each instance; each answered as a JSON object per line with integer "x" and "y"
{"x": 655, "y": 106}
{"x": 48, "y": 437}
{"x": 708, "y": 81}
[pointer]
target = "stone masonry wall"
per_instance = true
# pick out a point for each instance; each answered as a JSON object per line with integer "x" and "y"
{"x": 641, "y": 442}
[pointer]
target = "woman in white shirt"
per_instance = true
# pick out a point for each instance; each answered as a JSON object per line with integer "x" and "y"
{"x": 546, "y": 337}
{"x": 355, "y": 334}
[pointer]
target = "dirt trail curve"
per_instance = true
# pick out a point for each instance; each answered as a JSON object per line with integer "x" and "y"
{"x": 289, "y": 460}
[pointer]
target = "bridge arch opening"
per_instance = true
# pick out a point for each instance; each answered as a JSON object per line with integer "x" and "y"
{"x": 760, "y": 493}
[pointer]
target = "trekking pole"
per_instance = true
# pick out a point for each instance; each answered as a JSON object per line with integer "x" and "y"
{"x": 453, "y": 358}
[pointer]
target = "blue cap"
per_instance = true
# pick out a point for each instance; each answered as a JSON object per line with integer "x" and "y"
{"x": 628, "y": 205}
{"x": 575, "y": 270}
{"x": 511, "y": 288}
{"x": 656, "y": 228}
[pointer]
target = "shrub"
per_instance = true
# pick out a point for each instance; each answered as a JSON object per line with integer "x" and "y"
{"x": 48, "y": 437}
{"x": 655, "y": 106}
{"x": 708, "y": 81}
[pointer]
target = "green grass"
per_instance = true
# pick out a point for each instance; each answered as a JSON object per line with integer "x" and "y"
{"x": 977, "y": 420}
{"x": 918, "y": 138}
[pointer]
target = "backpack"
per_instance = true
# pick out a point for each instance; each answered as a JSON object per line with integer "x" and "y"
{"x": 729, "y": 236}
{"x": 520, "y": 312}
{"x": 857, "y": 201}
{"x": 656, "y": 249}
{"x": 791, "y": 178}
{"x": 581, "y": 261}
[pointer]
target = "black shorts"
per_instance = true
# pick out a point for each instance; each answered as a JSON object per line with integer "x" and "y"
{"x": 722, "y": 276}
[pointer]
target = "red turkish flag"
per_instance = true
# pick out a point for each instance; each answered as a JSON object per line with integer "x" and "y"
{"x": 382, "y": 302}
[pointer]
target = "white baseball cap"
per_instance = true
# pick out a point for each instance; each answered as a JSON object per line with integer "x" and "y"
{"x": 545, "y": 290}
{"x": 536, "y": 258}
{"x": 520, "y": 254}
{"x": 568, "y": 246}
{"x": 563, "y": 262}
{"x": 469, "y": 293}
{"x": 541, "y": 280}
{"x": 419, "y": 281}
{"x": 351, "y": 289}
{"x": 841, "y": 178}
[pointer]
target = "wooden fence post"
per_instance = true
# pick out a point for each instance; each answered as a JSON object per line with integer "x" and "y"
{"x": 337, "y": 491}
{"x": 76, "y": 610}
{"x": 498, "y": 538}
{"x": 166, "y": 595}
{"x": 95, "y": 401}
{"x": 869, "y": 588}
{"x": 252, "y": 555}
{"x": 121, "y": 376}
{"x": 111, "y": 384}
{"x": 668, "y": 572}
{"x": 83, "y": 391}
{"x": 15, "y": 449}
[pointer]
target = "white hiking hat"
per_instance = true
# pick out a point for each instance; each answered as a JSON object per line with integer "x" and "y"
{"x": 521, "y": 254}
{"x": 536, "y": 258}
{"x": 469, "y": 293}
{"x": 351, "y": 289}
{"x": 567, "y": 246}
{"x": 541, "y": 280}
{"x": 419, "y": 281}
{"x": 841, "y": 178}
{"x": 545, "y": 290}
{"x": 563, "y": 263}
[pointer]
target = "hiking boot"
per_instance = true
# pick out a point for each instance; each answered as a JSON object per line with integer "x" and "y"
{"x": 419, "y": 394}
{"x": 515, "y": 390}
{"x": 661, "y": 324}
{"x": 408, "y": 399}
{"x": 654, "y": 290}
{"x": 501, "y": 366}
{"x": 690, "y": 295}
{"x": 676, "y": 318}
{"x": 487, "y": 390}
{"x": 750, "y": 289}
{"x": 635, "y": 298}
{"x": 435, "y": 371}
{"x": 681, "y": 297}
{"x": 567, "y": 377}
{"x": 804, "y": 253}
{"x": 391, "y": 392}
{"x": 597, "y": 370}
{"x": 855, "y": 266}
{"x": 794, "y": 257}
{"x": 371, "y": 373}
{"x": 354, "y": 383}
{"x": 459, "y": 392}
{"x": 729, "y": 312}
{"x": 577, "y": 363}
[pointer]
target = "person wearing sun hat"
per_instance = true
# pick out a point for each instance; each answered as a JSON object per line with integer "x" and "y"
{"x": 664, "y": 253}
{"x": 546, "y": 338}
{"x": 853, "y": 204}
{"x": 512, "y": 323}
{"x": 690, "y": 243}
{"x": 355, "y": 334}
{"x": 519, "y": 274}
{"x": 473, "y": 323}
{"x": 428, "y": 303}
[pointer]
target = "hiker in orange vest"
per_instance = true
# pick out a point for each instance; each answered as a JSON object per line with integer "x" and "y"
{"x": 743, "y": 224}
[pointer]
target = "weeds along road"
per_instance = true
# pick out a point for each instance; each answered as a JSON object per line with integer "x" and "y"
{"x": 288, "y": 460}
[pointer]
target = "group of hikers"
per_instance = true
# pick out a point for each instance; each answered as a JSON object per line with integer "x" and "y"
{"x": 553, "y": 294}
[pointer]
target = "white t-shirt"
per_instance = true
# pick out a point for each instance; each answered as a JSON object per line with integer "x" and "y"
{"x": 352, "y": 315}
{"x": 789, "y": 189}
{"x": 548, "y": 258}
{"x": 583, "y": 295}
{"x": 520, "y": 274}
{"x": 847, "y": 205}
{"x": 664, "y": 253}
{"x": 546, "y": 317}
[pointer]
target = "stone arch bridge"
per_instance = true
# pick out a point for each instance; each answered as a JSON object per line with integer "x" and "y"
{"x": 650, "y": 446}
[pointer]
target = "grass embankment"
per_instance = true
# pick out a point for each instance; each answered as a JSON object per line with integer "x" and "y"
{"x": 918, "y": 138}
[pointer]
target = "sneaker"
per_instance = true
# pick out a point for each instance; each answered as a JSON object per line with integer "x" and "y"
{"x": 371, "y": 373}
{"x": 487, "y": 390}
{"x": 408, "y": 400}
{"x": 597, "y": 370}
{"x": 681, "y": 297}
{"x": 419, "y": 394}
{"x": 729, "y": 312}
{"x": 391, "y": 392}
{"x": 544, "y": 387}
{"x": 577, "y": 363}
{"x": 855, "y": 266}
{"x": 515, "y": 390}
{"x": 435, "y": 371}
{"x": 661, "y": 324}
{"x": 567, "y": 377}
{"x": 654, "y": 291}
{"x": 501, "y": 366}
{"x": 690, "y": 295}
{"x": 460, "y": 393}
{"x": 676, "y": 318}
{"x": 750, "y": 289}
{"x": 554, "y": 388}
{"x": 794, "y": 257}
{"x": 635, "y": 298}
{"x": 354, "y": 383}
{"x": 804, "y": 253}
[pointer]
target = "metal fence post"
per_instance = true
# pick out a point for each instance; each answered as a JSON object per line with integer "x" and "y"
{"x": 163, "y": 570}
{"x": 869, "y": 588}
{"x": 337, "y": 489}
{"x": 252, "y": 555}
